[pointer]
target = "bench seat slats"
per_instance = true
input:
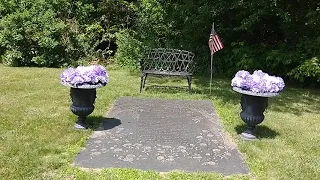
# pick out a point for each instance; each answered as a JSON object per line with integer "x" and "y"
{"x": 167, "y": 73}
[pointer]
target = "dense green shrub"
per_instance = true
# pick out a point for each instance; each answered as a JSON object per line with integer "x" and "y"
{"x": 111, "y": 17}
{"x": 308, "y": 70}
{"x": 279, "y": 37}
{"x": 275, "y": 36}
{"x": 60, "y": 32}
{"x": 28, "y": 40}
{"x": 150, "y": 25}
{"x": 41, "y": 33}
{"x": 30, "y": 33}
{"x": 129, "y": 49}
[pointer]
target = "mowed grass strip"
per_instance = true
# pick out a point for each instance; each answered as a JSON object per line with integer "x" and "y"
{"x": 38, "y": 140}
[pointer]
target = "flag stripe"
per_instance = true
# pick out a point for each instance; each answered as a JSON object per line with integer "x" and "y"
{"x": 218, "y": 41}
{"x": 215, "y": 43}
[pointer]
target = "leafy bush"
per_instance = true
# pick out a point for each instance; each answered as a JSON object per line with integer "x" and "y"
{"x": 268, "y": 35}
{"x": 308, "y": 69}
{"x": 129, "y": 49}
{"x": 40, "y": 33}
{"x": 28, "y": 40}
{"x": 150, "y": 25}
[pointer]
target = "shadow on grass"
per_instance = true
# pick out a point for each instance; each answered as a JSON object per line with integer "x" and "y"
{"x": 296, "y": 101}
{"x": 165, "y": 80}
{"x": 261, "y": 131}
{"x": 220, "y": 88}
{"x": 290, "y": 100}
{"x": 166, "y": 84}
{"x": 101, "y": 123}
{"x": 166, "y": 89}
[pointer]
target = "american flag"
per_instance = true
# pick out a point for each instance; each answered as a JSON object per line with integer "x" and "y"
{"x": 215, "y": 43}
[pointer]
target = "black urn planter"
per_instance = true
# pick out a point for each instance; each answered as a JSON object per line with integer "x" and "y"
{"x": 83, "y": 99}
{"x": 253, "y": 106}
{"x": 83, "y": 81}
{"x": 82, "y": 105}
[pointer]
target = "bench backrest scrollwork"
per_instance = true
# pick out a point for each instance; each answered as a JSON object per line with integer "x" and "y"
{"x": 172, "y": 60}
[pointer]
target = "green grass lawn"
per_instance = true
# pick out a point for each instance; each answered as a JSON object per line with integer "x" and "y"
{"x": 37, "y": 139}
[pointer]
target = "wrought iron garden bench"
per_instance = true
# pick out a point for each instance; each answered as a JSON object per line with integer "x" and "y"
{"x": 166, "y": 62}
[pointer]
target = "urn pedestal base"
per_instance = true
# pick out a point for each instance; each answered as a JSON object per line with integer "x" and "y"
{"x": 248, "y": 134}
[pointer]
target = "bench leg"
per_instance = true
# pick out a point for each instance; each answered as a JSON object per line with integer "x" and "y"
{"x": 189, "y": 83}
{"x": 141, "y": 83}
{"x": 144, "y": 82}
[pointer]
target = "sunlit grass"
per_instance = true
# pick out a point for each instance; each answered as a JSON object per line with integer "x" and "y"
{"x": 38, "y": 140}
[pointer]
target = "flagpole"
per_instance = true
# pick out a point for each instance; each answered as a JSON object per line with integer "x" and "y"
{"x": 211, "y": 72}
{"x": 211, "y": 64}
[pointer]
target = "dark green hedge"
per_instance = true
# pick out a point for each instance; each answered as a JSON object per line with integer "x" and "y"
{"x": 278, "y": 36}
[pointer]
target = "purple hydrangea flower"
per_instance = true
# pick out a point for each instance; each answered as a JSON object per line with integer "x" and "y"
{"x": 242, "y": 74}
{"x": 68, "y": 75}
{"x": 77, "y": 80}
{"x": 242, "y": 79}
{"x": 259, "y": 73}
{"x": 258, "y": 82}
{"x": 85, "y": 75}
{"x": 247, "y": 83}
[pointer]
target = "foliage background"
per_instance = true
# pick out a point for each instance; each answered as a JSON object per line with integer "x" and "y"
{"x": 278, "y": 36}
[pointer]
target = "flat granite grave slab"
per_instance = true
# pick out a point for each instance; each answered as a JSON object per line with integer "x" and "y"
{"x": 162, "y": 135}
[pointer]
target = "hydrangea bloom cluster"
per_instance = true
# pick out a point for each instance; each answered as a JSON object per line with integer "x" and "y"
{"x": 258, "y": 82}
{"x": 85, "y": 75}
